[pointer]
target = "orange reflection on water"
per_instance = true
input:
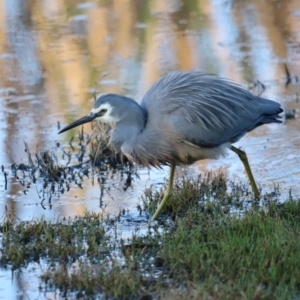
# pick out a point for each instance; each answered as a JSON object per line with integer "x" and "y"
{"x": 55, "y": 54}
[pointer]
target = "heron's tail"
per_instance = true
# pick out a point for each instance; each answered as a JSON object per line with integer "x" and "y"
{"x": 270, "y": 111}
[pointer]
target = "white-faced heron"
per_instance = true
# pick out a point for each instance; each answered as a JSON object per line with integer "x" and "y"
{"x": 184, "y": 117}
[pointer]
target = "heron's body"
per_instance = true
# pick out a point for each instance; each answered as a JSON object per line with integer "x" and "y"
{"x": 184, "y": 117}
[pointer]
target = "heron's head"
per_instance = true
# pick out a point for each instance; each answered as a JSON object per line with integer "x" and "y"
{"x": 105, "y": 110}
{"x": 108, "y": 108}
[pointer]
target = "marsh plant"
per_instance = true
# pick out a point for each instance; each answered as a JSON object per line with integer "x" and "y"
{"x": 212, "y": 242}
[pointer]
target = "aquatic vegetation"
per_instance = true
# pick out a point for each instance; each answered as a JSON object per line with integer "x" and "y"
{"x": 212, "y": 242}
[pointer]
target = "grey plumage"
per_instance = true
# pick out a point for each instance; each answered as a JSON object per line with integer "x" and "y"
{"x": 210, "y": 111}
{"x": 183, "y": 117}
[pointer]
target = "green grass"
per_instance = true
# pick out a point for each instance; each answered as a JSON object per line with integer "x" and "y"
{"x": 212, "y": 242}
{"x": 256, "y": 256}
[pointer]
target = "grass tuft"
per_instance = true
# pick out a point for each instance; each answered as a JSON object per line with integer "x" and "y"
{"x": 213, "y": 242}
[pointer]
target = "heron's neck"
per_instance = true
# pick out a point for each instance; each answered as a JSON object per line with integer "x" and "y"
{"x": 129, "y": 128}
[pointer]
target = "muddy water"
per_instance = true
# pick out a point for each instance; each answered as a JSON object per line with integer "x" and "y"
{"x": 55, "y": 54}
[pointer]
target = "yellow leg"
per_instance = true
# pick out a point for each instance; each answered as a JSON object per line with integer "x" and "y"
{"x": 243, "y": 157}
{"x": 168, "y": 193}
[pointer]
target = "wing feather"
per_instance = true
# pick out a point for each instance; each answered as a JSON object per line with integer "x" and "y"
{"x": 204, "y": 110}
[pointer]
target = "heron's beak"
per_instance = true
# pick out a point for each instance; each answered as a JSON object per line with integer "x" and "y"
{"x": 88, "y": 118}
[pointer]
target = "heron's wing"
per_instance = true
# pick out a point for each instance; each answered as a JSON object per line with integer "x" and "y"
{"x": 205, "y": 110}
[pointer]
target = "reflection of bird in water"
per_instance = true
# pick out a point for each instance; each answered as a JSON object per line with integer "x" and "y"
{"x": 184, "y": 117}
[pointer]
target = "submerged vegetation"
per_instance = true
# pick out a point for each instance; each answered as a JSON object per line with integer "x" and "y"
{"x": 212, "y": 241}
{"x": 57, "y": 170}
{"x": 215, "y": 243}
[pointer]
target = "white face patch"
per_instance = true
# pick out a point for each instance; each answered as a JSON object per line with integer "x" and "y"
{"x": 107, "y": 117}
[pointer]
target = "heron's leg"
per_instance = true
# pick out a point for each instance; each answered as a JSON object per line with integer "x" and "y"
{"x": 243, "y": 157}
{"x": 168, "y": 193}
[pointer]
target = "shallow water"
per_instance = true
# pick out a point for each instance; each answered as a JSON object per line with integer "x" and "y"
{"x": 55, "y": 54}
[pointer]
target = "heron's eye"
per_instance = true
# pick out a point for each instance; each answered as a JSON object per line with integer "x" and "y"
{"x": 103, "y": 111}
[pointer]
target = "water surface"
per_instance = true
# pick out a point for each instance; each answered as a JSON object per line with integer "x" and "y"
{"x": 55, "y": 54}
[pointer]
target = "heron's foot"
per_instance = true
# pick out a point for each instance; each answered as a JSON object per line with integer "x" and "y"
{"x": 163, "y": 202}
